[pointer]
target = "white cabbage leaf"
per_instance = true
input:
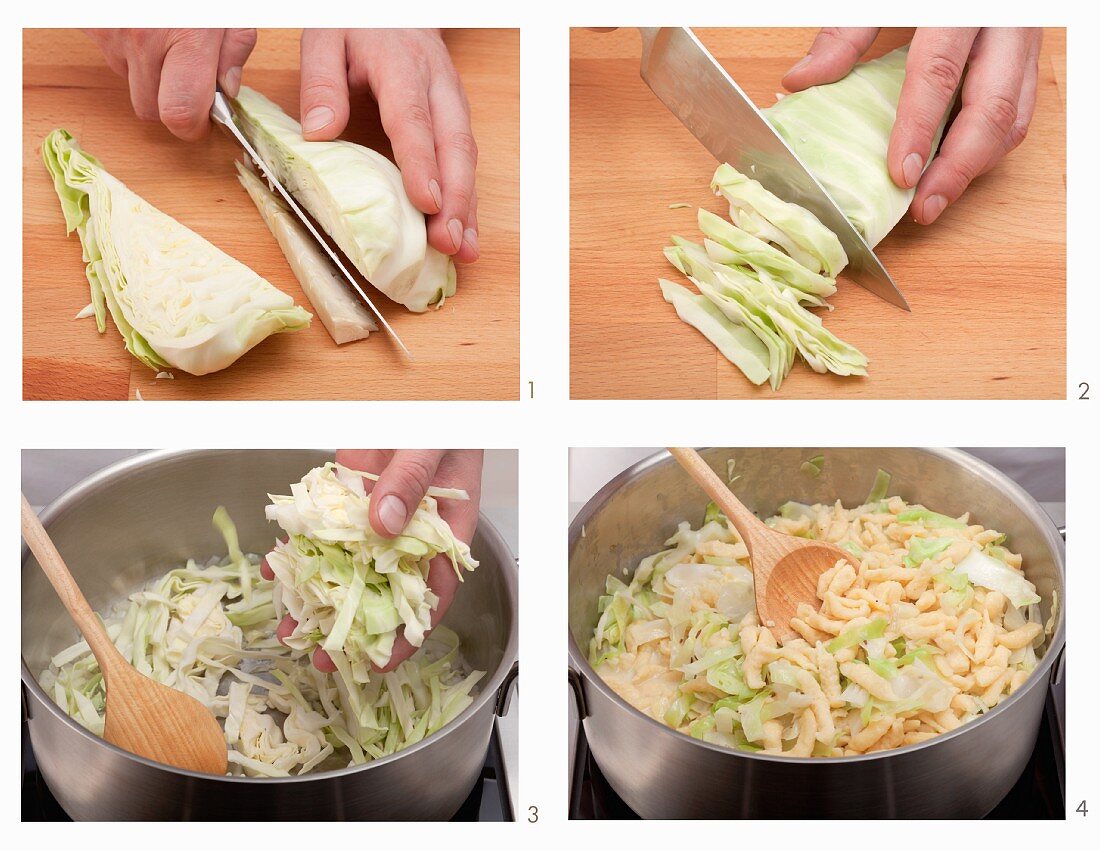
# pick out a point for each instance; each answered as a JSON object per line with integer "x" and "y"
{"x": 177, "y": 300}
{"x": 356, "y": 195}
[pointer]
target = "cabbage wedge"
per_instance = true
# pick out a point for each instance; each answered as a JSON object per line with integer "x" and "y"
{"x": 344, "y": 315}
{"x": 841, "y": 131}
{"x": 178, "y": 301}
{"x": 357, "y": 197}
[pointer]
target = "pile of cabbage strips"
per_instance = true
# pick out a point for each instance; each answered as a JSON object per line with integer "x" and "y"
{"x": 357, "y": 197}
{"x": 350, "y": 589}
{"x": 209, "y": 630}
{"x": 178, "y": 301}
{"x": 757, "y": 274}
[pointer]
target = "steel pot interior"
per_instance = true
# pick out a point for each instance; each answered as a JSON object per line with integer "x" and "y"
{"x": 138, "y": 519}
{"x": 636, "y": 512}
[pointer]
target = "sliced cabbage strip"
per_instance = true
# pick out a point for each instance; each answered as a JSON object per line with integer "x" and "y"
{"x": 357, "y": 197}
{"x": 344, "y": 315}
{"x": 177, "y": 300}
{"x": 796, "y": 230}
{"x": 349, "y": 588}
{"x": 841, "y": 132}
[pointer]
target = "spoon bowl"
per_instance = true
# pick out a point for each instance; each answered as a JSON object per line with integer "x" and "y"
{"x": 785, "y": 569}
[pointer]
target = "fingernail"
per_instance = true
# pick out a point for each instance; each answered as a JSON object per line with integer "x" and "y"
{"x": 454, "y": 227}
{"x": 911, "y": 168}
{"x": 801, "y": 63}
{"x": 433, "y": 187}
{"x": 392, "y": 514}
{"x": 317, "y": 119}
{"x": 233, "y": 81}
{"x": 933, "y": 207}
{"x": 470, "y": 237}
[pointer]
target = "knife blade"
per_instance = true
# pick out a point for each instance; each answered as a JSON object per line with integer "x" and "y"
{"x": 221, "y": 112}
{"x": 698, "y": 91}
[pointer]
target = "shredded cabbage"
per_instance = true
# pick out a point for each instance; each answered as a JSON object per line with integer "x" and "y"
{"x": 348, "y": 588}
{"x": 994, "y": 574}
{"x": 209, "y": 630}
{"x": 177, "y": 300}
{"x": 357, "y": 197}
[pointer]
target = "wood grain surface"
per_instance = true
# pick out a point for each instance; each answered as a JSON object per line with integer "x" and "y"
{"x": 986, "y": 283}
{"x": 467, "y": 350}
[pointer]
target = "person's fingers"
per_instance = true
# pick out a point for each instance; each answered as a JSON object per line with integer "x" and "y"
{"x": 1025, "y": 111}
{"x": 187, "y": 82}
{"x": 365, "y": 460}
{"x": 450, "y": 230}
{"x": 937, "y": 57}
{"x": 323, "y": 661}
{"x": 833, "y": 54}
{"x": 402, "y": 95}
{"x": 265, "y": 570}
{"x": 237, "y": 45}
{"x": 145, "y": 57}
{"x": 400, "y": 488}
{"x": 286, "y": 626}
{"x": 990, "y": 99}
{"x": 324, "y": 92}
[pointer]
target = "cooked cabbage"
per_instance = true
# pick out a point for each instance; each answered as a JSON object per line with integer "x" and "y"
{"x": 357, "y": 197}
{"x": 177, "y": 300}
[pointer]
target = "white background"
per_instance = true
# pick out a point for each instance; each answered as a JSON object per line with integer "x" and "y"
{"x": 544, "y": 427}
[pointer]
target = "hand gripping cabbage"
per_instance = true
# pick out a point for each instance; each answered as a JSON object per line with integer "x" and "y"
{"x": 348, "y": 588}
{"x": 357, "y": 197}
{"x": 178, "y": 301}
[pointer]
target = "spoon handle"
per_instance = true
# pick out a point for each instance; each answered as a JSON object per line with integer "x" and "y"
{"x": 744, "y": 520}
{"x": 91, "y": 627}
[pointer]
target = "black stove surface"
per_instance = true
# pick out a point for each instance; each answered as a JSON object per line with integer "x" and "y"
{"x": 1038, "y": 795}
{"x": 488, "y": 801}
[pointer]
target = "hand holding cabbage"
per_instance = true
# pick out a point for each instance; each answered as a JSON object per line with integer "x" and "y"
{"x": 998, "y": 101}
{"x": 398, "y": 513}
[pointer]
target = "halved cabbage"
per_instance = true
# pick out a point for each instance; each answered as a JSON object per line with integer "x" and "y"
{"x": 344, "y": 315}
{"x": 357, "y": 197}
{"x": 177, "y": 300}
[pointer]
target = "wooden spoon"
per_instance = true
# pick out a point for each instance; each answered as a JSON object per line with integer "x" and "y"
{"x": 143, "y": 716}
{"x": 785, "y": 569}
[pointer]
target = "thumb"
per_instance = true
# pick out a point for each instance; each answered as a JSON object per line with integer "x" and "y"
{"x": 324, "y": 94}
{"x": 237, "y": 46}
{"x": 833, "y": 54}
{"x": 400, "y": 488}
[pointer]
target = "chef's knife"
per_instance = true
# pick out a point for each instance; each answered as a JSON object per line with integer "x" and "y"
{"x": 698, "y": 91}
{"x": 222, "y": 113}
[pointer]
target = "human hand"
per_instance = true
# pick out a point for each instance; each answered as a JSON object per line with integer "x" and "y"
{"x": 173, "y": 72}
{"x": 404, "y": 479}
{"x": 998, "y": 101}
{"x": 424, "y": 112}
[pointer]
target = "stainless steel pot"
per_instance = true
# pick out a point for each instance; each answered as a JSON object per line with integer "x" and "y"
{"x": 141, "y": 517}
{"x": 661, "y": 773}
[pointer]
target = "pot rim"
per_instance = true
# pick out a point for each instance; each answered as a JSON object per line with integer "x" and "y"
{"x": 88, "y": 486}
{"x": 970, "y": 464}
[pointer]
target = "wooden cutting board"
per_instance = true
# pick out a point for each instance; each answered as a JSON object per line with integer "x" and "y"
{"x": 986, "y": 283}
{"x": 467, "y": 350}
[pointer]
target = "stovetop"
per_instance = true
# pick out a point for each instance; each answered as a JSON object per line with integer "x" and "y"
{"x": 1038, "y": 795}
{"x": 488, "y": 801}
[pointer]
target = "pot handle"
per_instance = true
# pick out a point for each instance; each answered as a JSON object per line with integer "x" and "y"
{"x": 576, "y": 685}
{"x": 1062, "y": 531}
{"x": 504, "y": 692}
